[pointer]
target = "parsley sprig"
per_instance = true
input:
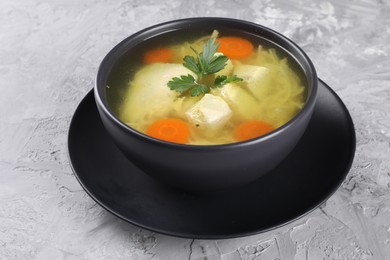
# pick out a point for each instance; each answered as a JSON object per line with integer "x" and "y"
{"x": 204, "y": 64}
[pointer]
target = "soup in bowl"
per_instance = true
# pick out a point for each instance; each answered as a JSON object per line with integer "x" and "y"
{"x": 206, "y": 103}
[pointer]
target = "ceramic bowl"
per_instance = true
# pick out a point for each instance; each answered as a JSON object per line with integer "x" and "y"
{"x": 205, "y": 168}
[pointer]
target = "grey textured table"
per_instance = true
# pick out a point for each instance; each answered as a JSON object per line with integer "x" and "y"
{"x": 49, "y": 54}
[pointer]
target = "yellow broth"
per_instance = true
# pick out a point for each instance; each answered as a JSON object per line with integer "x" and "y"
{"x": 273, "y": 89}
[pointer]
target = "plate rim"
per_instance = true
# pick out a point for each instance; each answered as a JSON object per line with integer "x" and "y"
{"x": 185, "y": 235}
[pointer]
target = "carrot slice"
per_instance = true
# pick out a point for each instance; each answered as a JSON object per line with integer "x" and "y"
{"x": 170, "y": 129}
{"x": 163, "y": 55}
{"x": 252, "y": 129}
{"x": 235, "y": 47}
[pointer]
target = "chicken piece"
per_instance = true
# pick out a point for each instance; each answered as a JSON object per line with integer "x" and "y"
{"x": 148, "y": 95}
{"x": 210, "y": 114}
{"x": 243, "y": 104}
{"x": 256, "y": 78}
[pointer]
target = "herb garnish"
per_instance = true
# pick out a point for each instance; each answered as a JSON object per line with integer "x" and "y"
{"x": 203, "y": 65}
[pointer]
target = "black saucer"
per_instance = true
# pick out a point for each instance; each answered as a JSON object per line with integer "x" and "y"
{"x": 309, "y": 175}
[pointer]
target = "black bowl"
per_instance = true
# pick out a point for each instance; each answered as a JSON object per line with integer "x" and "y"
{"x": 193, "y": 167}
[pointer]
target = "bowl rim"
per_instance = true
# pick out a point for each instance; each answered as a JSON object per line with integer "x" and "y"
{"x": 310, "y": 101}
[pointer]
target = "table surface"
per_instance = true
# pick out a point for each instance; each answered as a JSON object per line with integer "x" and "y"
{"x": 49, "y": 54}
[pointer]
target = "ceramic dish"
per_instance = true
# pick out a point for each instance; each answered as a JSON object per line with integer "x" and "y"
{"x": 305, "y": 179}
{"x": 203, "y": 167}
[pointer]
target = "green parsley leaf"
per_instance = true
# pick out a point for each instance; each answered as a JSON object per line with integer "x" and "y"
{"x": 182, "y": 84}
{"x": 188, "y": 83}
{"x": 222, "y": 80}
{"x": 216, "y": 64}
{"x": 191, "y": 64}
{"x": 233, "y": 78}
{"x": 207, "y": 55}
{"x": 204, "y": 64}
{"x": 218, "y": 82}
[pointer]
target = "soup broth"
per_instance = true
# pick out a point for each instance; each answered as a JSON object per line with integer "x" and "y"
{"x": 270, "y": 91}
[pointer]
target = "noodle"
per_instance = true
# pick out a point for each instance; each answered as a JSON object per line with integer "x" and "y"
{"x": 279, "y": 97}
